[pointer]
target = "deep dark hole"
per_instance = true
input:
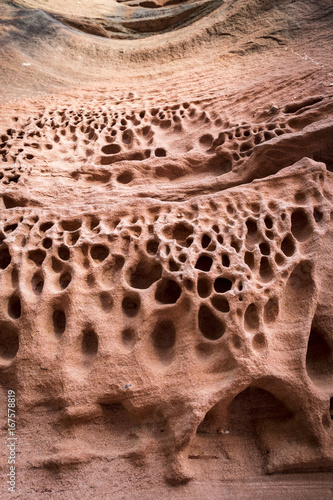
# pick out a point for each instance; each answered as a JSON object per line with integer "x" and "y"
{"x": 251, "y": 227}
{"x": 37, "y": 256}
{"x": 204, "y": 287}
{"x": 59, "y": 322}
{"x": 205, "y": 241}
{"x": 47, "y": 243}
{"x": 249, "y": 259}
{"x": 288, "y": 246}
{"x": 265, "y": 248}
{"x": 99, "y": 252}
{"x": 71, "y": 225}
{"x": 63, "y": 252}
{"x": 45, "y": 226}
{"x": 111, "y": 149}
{"x": 152, "y": 246}
{"x": 14, "y": 307}
{"x": 225, "y": 260}
{"x": 125, "y": 177}
{"x": 265, "y": 269}
{"x": 131, "y": 305}
{"x": 319, "y": 357}
{"x": 5, "y": 257}
{"x": 65, "y": 280}
{"x": 222, "y": 285}
{"x": 204, "y": 263}
{"x": 268, "y": 222}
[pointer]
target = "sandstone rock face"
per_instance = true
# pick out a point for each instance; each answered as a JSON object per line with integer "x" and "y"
{"x": 165, "y": 248}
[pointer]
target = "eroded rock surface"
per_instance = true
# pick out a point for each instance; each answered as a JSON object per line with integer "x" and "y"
{"x": 165, "y": 249}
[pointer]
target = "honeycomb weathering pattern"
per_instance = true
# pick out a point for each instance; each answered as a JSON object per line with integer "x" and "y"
{"x": 165, "y": 247}
{"x": 224, "y": 281}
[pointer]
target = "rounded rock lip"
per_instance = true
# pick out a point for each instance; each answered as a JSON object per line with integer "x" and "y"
{"x": 147, "y": 18}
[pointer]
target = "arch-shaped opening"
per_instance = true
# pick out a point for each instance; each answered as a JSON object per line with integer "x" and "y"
{"x": 252, "y": 406}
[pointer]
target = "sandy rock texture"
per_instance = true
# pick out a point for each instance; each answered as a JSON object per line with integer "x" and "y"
{"x": 166, "y": 238}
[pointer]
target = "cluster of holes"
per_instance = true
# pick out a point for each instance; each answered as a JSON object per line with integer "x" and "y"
{"x": 257, "y": 239}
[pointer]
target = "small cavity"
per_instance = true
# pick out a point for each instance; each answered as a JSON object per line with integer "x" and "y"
{"x": 164, "y": 339}
{"x": 145, "y": 273}
{"x": 279, "y": 259}
{"x": 204, "y": 287}
{"x": 106, "y": 301}
{"x": 89, "y": 343}
{"x": 152, "y": 246}
{"x": 5, "y": 257}
{"x": 125, "y": 177}
{"x": 47, "y": 243}
{"x": 73, "y": 237}
{"x": 235, "y": 244}
{"x": 268, "y": 222}
{"x": 99, "y": 252}
{"x": 167, "y": 291}
{"x": 131, "y": 305}
{"x": 251, "y": 318}
{"x": 204, "y": 263}
{"x": 222, "y": 285}
{"x": 14, "y": 306}
{"x": 252, "y": 229}
{"x": 265, "y": 270}
{"x": 173, "y": 266}
{"x": 264, "y": 248}
{"x": 71, "y": 225}
{"x": 160, "y": 152}
{"x": 210, "y": 326}
{"x": 259, "y": 341}
{"x": 63, "y": 252}
{"x": 188, "y": 283}
{"x": 300, "y": 225}
{"x": 9, "y": 342}
{"x": 37, "y": 256}
{"x": 111, "y": 149}
{"x": 288, "y": 246}
{"x": 318, "y": 215}
{"x": 205, "y": 240}
{"x": 59, "y": 322}
{"x": 179, "y": 232}
{"x": 271, "y": 310}
{"x": 37, "y": 283}
{"x": 225, "y": 260}
{"x": 65, "y": 280}
{"x": 128, "y": 337}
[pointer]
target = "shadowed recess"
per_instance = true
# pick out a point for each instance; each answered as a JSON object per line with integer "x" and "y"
{"x": 145, "y": 273}
{"x": 167, "y": 291}
{"x": 59, "y": 322}
{"x": 89, "y": 343}
{"x": 210, "y": 326}
{"x": 9, "y": 341}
